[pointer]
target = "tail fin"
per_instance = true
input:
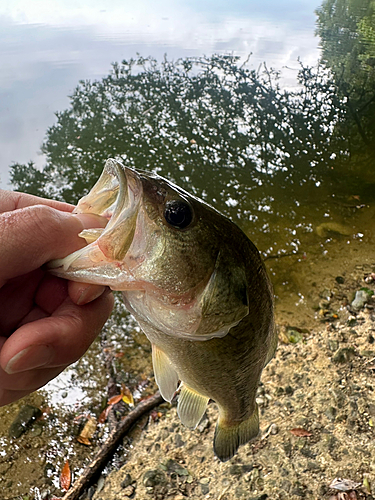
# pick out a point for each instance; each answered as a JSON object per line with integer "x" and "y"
{"x": 228, "y": 438}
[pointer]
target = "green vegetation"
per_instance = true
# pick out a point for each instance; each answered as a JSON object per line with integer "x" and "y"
{"x": 347, "y": 32}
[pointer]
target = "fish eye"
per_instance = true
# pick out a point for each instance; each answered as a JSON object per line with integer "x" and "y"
{"x": 178, "y": 213}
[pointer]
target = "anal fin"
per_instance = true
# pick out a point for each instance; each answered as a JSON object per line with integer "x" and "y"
{"x": 191, "y": 406}
{"x": 165, "y": 375}
{"x": 229, "y": 437}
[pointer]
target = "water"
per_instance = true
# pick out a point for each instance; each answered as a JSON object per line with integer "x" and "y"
{"x": 305, "y": 196}
{"x": 44, "y": 52}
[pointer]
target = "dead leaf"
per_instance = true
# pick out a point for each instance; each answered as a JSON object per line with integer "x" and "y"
{"x": 344, "y": 484}
{"x": 65, "y": 477}
{"x": 84, "y": 441}
{"x": 87, "y": 432}
{"x": 300, "y": 432}
{"x": 104, "y": 414}
{"x": 115, "y": 399}
{"x": 127, "y": 396}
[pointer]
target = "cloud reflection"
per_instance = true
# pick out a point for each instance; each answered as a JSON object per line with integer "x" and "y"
{"x": 45, "y": 52}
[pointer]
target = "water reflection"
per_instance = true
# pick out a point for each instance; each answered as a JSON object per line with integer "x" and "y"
{"x": 45, "y": 52}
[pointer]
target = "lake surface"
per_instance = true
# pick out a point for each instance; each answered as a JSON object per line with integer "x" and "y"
{"x": 44, "y": 52}
{"x": 312, "y": 227}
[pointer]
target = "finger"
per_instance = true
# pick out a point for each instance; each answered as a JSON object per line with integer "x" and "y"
{"x": 31, "y": 382}
{"x": 16, "y": 299}
{"x": 7, "y": 397}
{"x": 12, "y": 200}
{"x": 32, "y": 236}
{"x": 51, "y": 293}
{"x": 54, "y": 341}
{"x": 83, "y": 293}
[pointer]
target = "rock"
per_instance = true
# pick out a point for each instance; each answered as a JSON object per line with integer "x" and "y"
{"x": 344, "y": 355}
{"x": 128, "y": 491}
{"x": 238, "y": 470}
{"x": 289, "y": 390}
{"x": 332, "y": 345}
{"x": 274, "y": 429}
{"x": 361, "y": 298}
{"x": 204, "y": 424}
{"x": 153, "y": 477}
{"x": 331, "y": 413}
{"x": 127, "y": 481}
{"x": 173, "y": 466}
{"x": 204, "y": 488}
{"x": 178, "y": 441}
{"x": 24, "y": 420}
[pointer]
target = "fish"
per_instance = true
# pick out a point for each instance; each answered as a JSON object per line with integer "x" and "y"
{"x": 197, "y": 287}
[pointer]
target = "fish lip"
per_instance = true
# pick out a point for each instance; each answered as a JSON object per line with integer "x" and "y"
{"x": 117, "y": 196}
{"x": 119, "y": 184}
{"x": 96, "y": 201}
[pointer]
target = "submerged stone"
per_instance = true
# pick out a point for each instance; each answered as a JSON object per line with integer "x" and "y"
{"x": 24, "y": 420}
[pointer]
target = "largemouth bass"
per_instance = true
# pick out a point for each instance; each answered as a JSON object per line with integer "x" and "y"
{"x": 197, "y": 287}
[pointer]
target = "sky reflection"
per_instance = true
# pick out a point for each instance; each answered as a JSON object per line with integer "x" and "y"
{"x": 44, "y": 52}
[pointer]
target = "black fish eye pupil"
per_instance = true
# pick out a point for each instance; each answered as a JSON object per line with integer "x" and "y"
{"x": 178, "y": 213}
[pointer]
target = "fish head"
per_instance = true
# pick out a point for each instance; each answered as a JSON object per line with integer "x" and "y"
{"x": 164, "y": 249}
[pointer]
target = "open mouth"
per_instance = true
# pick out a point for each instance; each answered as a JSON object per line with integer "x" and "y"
{"x": 116, "y": 196}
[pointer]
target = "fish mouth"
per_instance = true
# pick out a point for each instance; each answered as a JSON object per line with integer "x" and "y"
{"x": 116, "y": 196}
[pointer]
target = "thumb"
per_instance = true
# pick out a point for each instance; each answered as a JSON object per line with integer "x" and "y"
{"x": 32, "y": 236}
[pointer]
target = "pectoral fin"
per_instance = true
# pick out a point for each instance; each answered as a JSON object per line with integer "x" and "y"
{"x": 165, "y": 375}
{"x": 191, "y": 406}
{"x": 224, "y": 302}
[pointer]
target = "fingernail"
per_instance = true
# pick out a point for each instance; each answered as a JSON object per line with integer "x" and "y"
{"x": 90, "y": 221}
{"x": 32, "y": 357}
{"x": 89, "y": 294}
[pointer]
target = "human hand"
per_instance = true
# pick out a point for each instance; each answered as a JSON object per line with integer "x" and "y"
{"x": 46, "y": 323}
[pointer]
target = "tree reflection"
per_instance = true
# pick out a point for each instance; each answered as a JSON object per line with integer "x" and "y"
{"x": 347, "y": 32}
{"x": 228, "y": 134}
{"x": 211, "y": 125}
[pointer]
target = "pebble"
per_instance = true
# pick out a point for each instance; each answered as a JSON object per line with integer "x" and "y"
{"x": 274, "y": 429}
{"x": 343, "y": 355}
{"x": 238, "y": 470}
{"x": 331, "y": 413}
{"x": 178, "y": 441}
{"x": 128, "y": 491}
{"x": 204, "y": 424}
{"x": 23, "y": 421}
{"x": 127, "y": 481}
{"x": 153, "y": 477}
{"x": 361, "y": 297}
{"x": 204, "y": 488}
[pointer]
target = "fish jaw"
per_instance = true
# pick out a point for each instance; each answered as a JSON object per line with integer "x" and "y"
{"x": 90, "y": 265}
{"x": 117, "y": 196}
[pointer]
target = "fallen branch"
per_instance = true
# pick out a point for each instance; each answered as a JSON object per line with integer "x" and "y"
{"x": 110, "y": 445}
